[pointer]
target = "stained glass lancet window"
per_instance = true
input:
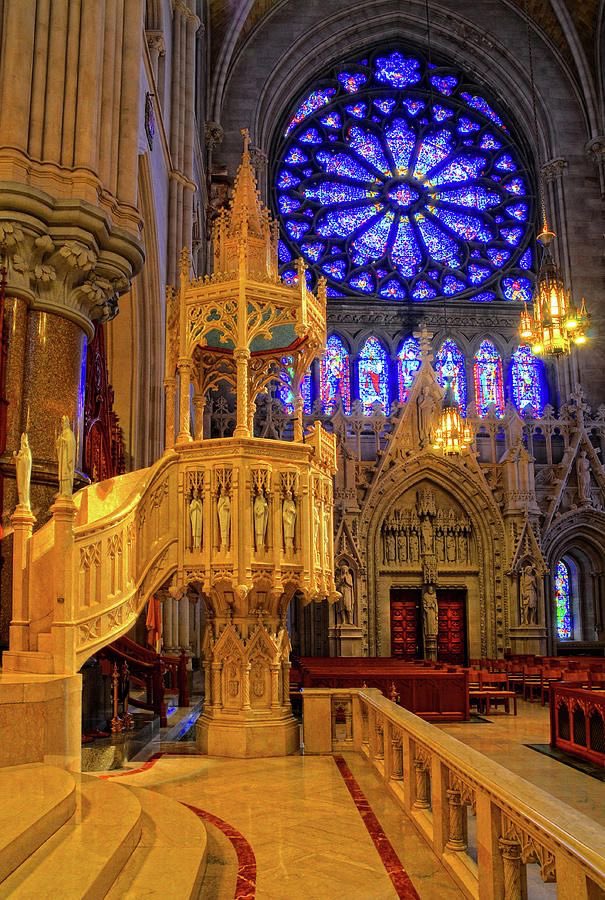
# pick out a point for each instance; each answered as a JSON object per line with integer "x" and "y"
{"x": 449, "y": 363}
{"x": 284, "y": 388}
{"x": 527, "y": 379}
{"x": 399, "y": 179}
{"x": 373, "y": 368}
{"x": 408, "y": 363}
{"x": 487, "y": 375}
{"x": 335, "y": 376}
{"x": 563, "y": 601}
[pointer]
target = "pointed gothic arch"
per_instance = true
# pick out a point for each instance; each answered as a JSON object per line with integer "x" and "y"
{"x": 373, "y": 374}
{"x": 335, "y": 376}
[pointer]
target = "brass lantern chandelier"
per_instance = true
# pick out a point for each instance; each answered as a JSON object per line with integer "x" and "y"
{"x": 452, "y": 434}
{"x": 554, "y": 324}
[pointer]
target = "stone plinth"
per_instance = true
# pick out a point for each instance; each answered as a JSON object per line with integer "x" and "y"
{"x": 345, "y": 640}
{"x": 528, "y": 639}
{"x": 248, "y": 735}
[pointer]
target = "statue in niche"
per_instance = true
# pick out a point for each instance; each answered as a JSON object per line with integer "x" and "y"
{"x": 289, "y": 519}
{"x": 195, "y": 517}
{"x": 327, "y": 527}
{"x": 346, "y": 586}
{"x": 414, "y": 547}
{"x": 429, "y": 613}
{"x": 390, "y": 546}
{"x": 583, "y": 476}
{"x": 440, "y": 546}
{"x": 402, "y": 547}
{"x": 261, "y": 516}
{"x": 66, "y": 457}
{"x": 23, "y": 465}
{"x": 316, "y": 530}
{"x": 426, "y": 536}
{"x": 426, "y": 407}
{"x": 451, "y": 547}
{"x": 224, "y": 517}
{"x": 462, "y": 548}
{"x": 529, "y": 596}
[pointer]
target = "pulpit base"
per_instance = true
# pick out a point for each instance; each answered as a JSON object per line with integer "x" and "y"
{"x": 247, "y": 738}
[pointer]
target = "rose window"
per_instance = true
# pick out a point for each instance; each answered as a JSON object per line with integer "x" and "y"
{"x": 398, "y": 179}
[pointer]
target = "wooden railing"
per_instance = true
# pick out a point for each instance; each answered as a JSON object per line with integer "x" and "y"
{"x": 577, "y": 722}
{"x": 486, "y": 825}
{"x": 157, "y": 675}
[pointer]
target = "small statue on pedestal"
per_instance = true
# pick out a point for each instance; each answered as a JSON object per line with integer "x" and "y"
{"x": 23, "y": 464}
{"x": 224, "y": 518}
{"x": 195, "y": 517}
{"x": 66, "y": 457}
{"x": 430, "y": 614}
{"x": 289, "y": 520}
{"x": 529, "y": 596}
{"x": 261, "y": 515}
{"x": 346, "y": 587}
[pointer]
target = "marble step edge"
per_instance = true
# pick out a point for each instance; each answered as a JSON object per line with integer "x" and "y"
{"x": 37, "y": 801}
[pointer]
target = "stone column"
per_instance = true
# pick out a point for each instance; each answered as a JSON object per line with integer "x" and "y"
{"x": 379, "y": 742}
{"x": 242, "y": 357}
{"x": 170, "y": 394}
{"x": 456, "y": 839}
{"x": 23, "y": 523}
{"x": 217, "y": 702}
{"x": 511, "y": 859}
{"x": 184, "y": 367}
{"x": 397, "y": 756}
{"x": 275, "y": 699}
{"x": 167, "y": 615}
{"x": 422, "y": 800}
{"x": 184, "y": 642}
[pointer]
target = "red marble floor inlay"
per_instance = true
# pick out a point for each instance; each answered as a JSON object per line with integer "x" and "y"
{"x": 245, "y": 888}
{"x": 398, "y": 875}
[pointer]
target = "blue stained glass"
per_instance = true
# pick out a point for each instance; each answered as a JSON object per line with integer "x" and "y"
{"x": 287, "y": 179}
{"x": 352, "y": 81}
{"x": 334, "y": 376}
{"x": 284, "y": 388}
{"x": 563, "y": 603}
{"x": 487, "y": 375}
{"x": 401, "y": 140}
{"x": 331, "y": 120}
{"x": 449, "y": 363}
{"x": 373, "y": 375}
{"x": 283, "y": 253}
{"x": 527, "y": 381}
{"x": 363, "y": 281}
{"x": 385, "y": 105}
{"x": 359, "y": 110}
{"x": 369, "y": 147}
{"x": 393, "y": 290}
{"x": 306, "y": 391}
{"x": 517, "y": 289}
{"x": 405, "y": 252}
{"x": 341, "y": 222}
{"x": 314, "y": 101}
{"x": 527, "y": 260}
{"x": 408, "y": 363}
{"x": 483, "y": 106}
{"x": 445, "y": 84}
{"x": 407, "y": 195}
{"x": 332, "y": 292}
{"x": 397, "y": 70}
{"x": 290, "y": 276}
{"x": 372, "y": 243}
{"x": 343, "y": 164}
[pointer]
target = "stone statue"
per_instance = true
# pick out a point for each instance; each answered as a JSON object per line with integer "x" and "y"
{"x": 390, "y": 547}
{"x": 430, "y": 615}
{"x": 261, "y": 515}
{"x": 66, "y": 456}
{"x": 451, "y": 547}
{"x": 414, "y": 547}
{"x": 583, "y": 476}
{"x": 327, "y": 529}
{"x": 23, "y": 464}
{"x": 316, "y": 530}
{"x": 224, "y": 518}
{"x": 346, "y": 586}
{"x": 529, "y": 596}
{"x": 426, "y": 536}
{"x": 426, "y": 406}
{"x": 195, "y": 517}
{"x": 288, "y": 512}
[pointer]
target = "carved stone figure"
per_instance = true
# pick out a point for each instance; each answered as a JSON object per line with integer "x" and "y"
{"x": 224, "y": 518}
{"x": 414, "y": 547}
{"x": 261, "y": 515}
{"x": 583, "y": 476}
{"x": 426, "y": 536}
{"x": 66, "y": 457}
{"x": 529, "y": 596}
{"x": 327, "y": 529}
{"x": 390, "y": 546}
{"x": 430, "y": 614}
{"x": 346, "y": 586}
{"x": 316, "y": 530}
{"x": 426, "y": 406}
{"x": 23, "y": 464}
{"x": 451, "y": 547}
{"x": 195, "y": 517}
{"x": 289, "y": 519}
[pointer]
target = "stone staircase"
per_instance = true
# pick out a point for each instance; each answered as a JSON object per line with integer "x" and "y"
{"x": 73, "y": 836}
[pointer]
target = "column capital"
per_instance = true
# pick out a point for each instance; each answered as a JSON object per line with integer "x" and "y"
{"x": 595, "y": 149}
{"x": 553, "y": 169}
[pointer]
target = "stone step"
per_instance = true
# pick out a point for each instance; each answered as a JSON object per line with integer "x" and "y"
{"x": 170, "y": 833}
{"x": 28, "y": 661}
{"x": 36, "y": 801}
{"x": 84, "y": 857}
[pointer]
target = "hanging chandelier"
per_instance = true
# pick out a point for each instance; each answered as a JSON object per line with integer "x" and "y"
{"x": 555, "y": 323}
{"x": 452, "y": 434}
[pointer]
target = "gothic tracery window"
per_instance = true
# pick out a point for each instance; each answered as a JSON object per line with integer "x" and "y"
{"x": 373, "y": 370}
{"x": 487, "y": 376}
{"x": 527, "y": 381}
{"x": 449, "y": 363}
{"x": 284, "y": 388}
{"x": 408, "y": 363}
{"x": 398, "y": 179}
{"x": 563, "y": 601}
{"x": 335, "y": 376}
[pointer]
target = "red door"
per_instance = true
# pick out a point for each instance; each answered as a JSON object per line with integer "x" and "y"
{"x": 404, "y": 623}
{"x": 451, "y": 641}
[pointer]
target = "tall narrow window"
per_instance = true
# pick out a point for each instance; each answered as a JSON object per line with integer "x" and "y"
{"x": 334, "y": 376}
{"x": 408, "y": 363}
{"x": 563, "y": 602}
{"x": 284, "y": 387}
{"x": 487, "y": 374}
{"x": 527, "y": 381}
{"x": 449, "y": 363}
{"x": 373, "y": 375}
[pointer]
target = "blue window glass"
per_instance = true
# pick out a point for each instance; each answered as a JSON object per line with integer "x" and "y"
{"x": 335, "y": 376}
{"x": 563, "y": 603}
{"x": 487, "y": 375}
{"x": 527, "y": 378}
{"x": 408, "y": 363}
{"x": 284, "y": 387}
{"x": 373, "y": 369}
{"x": 449, "y": 363}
